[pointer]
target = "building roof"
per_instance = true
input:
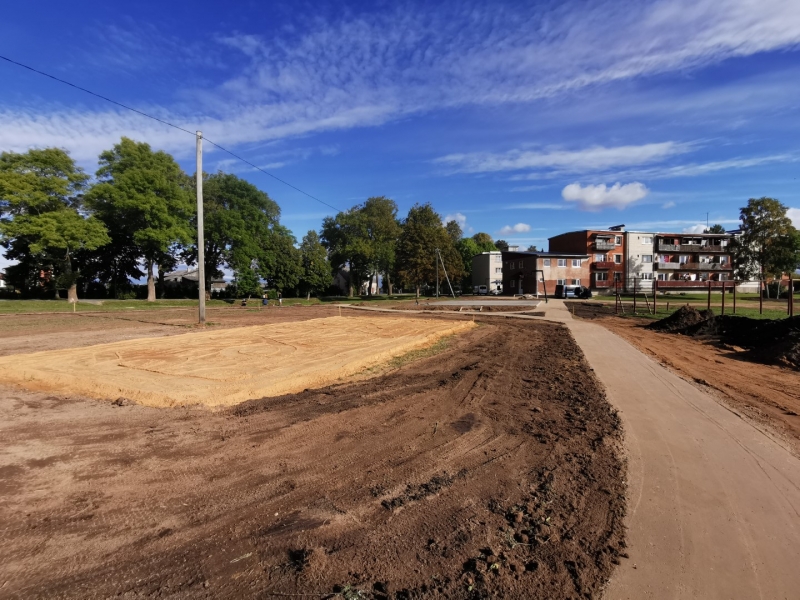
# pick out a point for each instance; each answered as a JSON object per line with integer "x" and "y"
{"x": 549, "y": 254}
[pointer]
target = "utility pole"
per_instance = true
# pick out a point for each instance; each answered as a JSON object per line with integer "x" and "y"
{"x": 437, "y": 271}
{"x": 201, "y": 244}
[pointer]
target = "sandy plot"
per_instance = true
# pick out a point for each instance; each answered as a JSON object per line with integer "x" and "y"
{"x": 225, "y": 367}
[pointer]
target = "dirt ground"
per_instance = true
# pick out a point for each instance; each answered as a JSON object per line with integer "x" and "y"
{"x": 767, "y": 395}
{"x": 488, "y": 469}
{"x": 223, "y": 367}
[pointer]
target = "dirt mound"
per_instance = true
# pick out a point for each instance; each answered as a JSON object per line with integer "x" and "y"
{"x": 683, "y": 318}
{"x": 768, "y": 341}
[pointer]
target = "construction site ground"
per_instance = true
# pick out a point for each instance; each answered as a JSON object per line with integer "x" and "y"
{"x": 486, "y": 465}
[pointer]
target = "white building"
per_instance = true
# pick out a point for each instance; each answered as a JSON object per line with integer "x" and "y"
{"x": 639, "y": 258}
{"x": 487, "y": 269}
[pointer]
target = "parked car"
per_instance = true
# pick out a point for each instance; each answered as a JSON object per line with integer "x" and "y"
{"x": 572, "y": 291}
{"x": 481, "y": 290}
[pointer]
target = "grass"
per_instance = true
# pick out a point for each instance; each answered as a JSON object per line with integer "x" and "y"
{"x": 15, "y": 306}
{"x": 663, "y": 312}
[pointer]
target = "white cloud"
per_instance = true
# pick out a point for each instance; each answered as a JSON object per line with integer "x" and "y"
{"x": 698, "y": 228}
{"x": 699, "y": 169}
{"x": 596, "y": 197}
{"x": 514, "y": 229}
{"x": 364, "y": 69}
{"x": 794, "y": 215}
{"x": 669, "y": 204}
{"x": 457, "y": 217}
{"x": 595, "y": 158}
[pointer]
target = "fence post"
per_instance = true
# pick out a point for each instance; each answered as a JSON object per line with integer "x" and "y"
{"x": 734, "y": 296}
{"x": 634, "y": 294}
{"x": 708, "y": 307}
{"x": 723, "y": 297}
{"x": 655, "y": 294}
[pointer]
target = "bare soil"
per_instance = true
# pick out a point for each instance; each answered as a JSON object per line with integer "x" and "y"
{"x": 489, "y": 469}
{"x": 766, "y": 394}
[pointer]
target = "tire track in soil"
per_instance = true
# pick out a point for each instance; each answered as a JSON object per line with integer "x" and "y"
{"x": 503, "y": 453}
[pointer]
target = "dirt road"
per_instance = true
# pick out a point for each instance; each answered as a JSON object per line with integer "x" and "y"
{"x": 490, "y": 469}
{"x": 714, "y": 503}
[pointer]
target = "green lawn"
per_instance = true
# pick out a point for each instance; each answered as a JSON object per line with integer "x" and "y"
{"x": 60, "y": 306}
{"x": 642, "y": 311}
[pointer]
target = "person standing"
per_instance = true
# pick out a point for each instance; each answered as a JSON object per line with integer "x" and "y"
{"x": 264, "y": 300}
{"x": 280, "y": 299}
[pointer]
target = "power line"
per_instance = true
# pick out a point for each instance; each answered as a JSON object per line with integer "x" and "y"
{"x": 162, "y": 121}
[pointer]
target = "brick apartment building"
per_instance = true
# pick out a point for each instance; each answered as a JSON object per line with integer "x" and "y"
{"x": 686, "y": 261}
{"x": 605, "y": 250}
{"x": 535, "y": 272}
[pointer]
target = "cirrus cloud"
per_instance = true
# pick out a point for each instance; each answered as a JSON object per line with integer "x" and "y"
{"x": 598, "y": 197}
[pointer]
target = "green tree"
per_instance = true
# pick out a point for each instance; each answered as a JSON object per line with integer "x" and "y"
{"x": 484, "y": 241}
{"x": 316, "y": 275}
{"x": 422, "y": 234}
{"x": 533, "y": 248}
{"x": 237, "y": 220}
{"x": 769, "y": 245}
{"x": 454, "y": 231}
{"x": 42, "y": 224}
{"x": 279, "y": 263}
{"x": 342, "y": 238}
{"x": 246, "y": 282}
{"x": 145, "y": 200}
{"x": 380, "y": 229}
{"x": 716, "y": 228}
{"x": 467, "y": 248}
{"x": 501, "y": 245}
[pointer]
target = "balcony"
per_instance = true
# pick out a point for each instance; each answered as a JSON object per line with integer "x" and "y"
{"x": 668, "y": 265}
{"x": 668, "y": 248}
{"x": 713, "y": 266}
{"x": 665, "y": 285}
{"x": 604, "y": 245}
{"x": 600, "y": 264}
{"x": 603, "y": 284}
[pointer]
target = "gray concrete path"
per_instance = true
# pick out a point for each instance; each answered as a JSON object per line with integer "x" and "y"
{"x": 714, "y": 504}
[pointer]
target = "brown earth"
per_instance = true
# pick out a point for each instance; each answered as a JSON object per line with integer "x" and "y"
{"x": 488, "y": 469}
{"x": 767, "y": 395}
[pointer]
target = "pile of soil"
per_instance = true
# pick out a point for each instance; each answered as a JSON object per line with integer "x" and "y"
{"x": 764, "y": 340}
{"x": 683, "y": 318}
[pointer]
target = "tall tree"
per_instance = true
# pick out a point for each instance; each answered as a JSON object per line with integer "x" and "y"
{"x": 484, "y": 241}
{"x": 238, "y": 219}
{"x": 43, "y": 224}
{"x": 716, "y": 228}
{"x": 501, "y": 245}
{"x": 769, "y": 245}
{"x": 422, "y": 234}
{"x": 145, "y": 199}
{"x": 380, "y": 229}
{"x": 467, "y": 248}
{"x": 533, "y": 248}
{"x": 279, "y": 263}
{"x": 316, "y": 274}
{"x": 454, "y": 231}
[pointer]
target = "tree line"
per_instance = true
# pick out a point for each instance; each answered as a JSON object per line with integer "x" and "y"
{"x": 136, "y": 218}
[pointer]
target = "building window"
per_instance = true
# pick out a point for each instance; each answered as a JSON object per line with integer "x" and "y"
{"x": 618, "y": 240}
{"x": 618, "y": 259}
{"x": 562, "y": 262}
{"x": 498, "y": 270}
{"x": 647, "y": 258}
{"x": 576, "y": 282}
{"x": 646, "y": 275}
{"x": 561, "y": 282}
{"x": 647, "y": 240}
{"x": 662, "y": 277}
{"x": 576, "y": 262}
{"x": 617, "y": 276}
{"x": 546, "y": 262}
{"x": 520, "y": 264}
{"x": 684, "y": 258}
{"x": 599, "y": 258}
{"x": 601, "y": 276}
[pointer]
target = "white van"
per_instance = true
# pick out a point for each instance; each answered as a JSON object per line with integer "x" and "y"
{"x": 481, "y": 290}
{"x": 572, "y": 291}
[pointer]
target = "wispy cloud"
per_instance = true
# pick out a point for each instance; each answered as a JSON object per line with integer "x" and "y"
{"x": 699, "y": 169}
{"x": 365, "y": 69}
{"x": 597, "y": 197}
{"x": 669, "y": 204}
{"x": 595, "y": 158}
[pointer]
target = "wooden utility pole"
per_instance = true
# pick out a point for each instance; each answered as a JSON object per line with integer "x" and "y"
{"x": 761, "y": 296}
{"x": 655, "y": 295}
{"x": 436, "y": 254}
{"x": 201, "y": 244}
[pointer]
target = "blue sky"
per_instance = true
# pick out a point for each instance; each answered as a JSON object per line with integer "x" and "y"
{"x": 521, "y": 121}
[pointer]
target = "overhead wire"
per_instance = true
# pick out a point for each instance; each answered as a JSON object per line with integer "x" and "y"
{"x": 162, "y": 121}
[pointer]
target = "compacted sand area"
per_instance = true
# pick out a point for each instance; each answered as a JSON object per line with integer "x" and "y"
{"x": 225, "y": 367}
{"x": 488, "y": 469}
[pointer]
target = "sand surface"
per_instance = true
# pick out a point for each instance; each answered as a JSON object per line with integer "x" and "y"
{"x": 224, "y": 367}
